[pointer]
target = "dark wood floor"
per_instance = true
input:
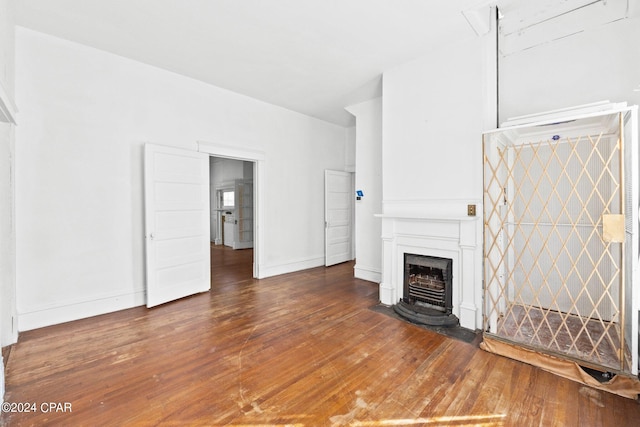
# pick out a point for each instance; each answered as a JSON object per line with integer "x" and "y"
{"x": 300, "y": 349}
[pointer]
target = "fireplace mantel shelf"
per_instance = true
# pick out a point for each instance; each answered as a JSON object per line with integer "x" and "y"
{"x": 427, "y": 217}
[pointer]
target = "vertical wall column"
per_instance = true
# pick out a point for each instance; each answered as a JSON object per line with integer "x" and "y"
{"x": 368, "y": 178}
{"x": 388, "y": 293}
{"x": 468, "y": 247}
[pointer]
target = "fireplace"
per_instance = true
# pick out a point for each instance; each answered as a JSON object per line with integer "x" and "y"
{"x": 427, "y": 282}
{"x": 412, "y": 229}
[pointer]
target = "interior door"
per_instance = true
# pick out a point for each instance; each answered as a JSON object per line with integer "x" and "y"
{"x": 244, "y": 214}
{"x": 337, "y": 214}
{"x": 176, "y": 223}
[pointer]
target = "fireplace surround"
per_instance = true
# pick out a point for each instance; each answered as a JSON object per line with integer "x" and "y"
{"x": 437, "y": 235}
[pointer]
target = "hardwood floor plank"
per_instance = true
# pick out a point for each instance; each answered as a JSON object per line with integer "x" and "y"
{"x": 471, "y": 383}
{"x": 298, "y": 349}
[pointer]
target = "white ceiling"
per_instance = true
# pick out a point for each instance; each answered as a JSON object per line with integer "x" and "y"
{"x": 311, "y": 56}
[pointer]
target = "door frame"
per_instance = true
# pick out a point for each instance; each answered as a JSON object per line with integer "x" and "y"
{"x": 214, "y": 149}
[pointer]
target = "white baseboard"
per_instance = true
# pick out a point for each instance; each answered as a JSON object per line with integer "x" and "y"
{"x": 290, "y": 267}
{"x": 367, "y": 273}
{"x": 53, "y": 315}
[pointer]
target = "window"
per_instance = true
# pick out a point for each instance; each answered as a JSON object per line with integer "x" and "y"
{"x": 228, "y": 199}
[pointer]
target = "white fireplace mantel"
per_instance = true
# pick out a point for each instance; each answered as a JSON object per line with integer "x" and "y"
{"x": 453, "y": 237}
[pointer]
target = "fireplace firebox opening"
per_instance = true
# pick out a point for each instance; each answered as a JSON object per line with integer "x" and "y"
{"x": 427, "y": 291}
{"x": 427, "y": 280}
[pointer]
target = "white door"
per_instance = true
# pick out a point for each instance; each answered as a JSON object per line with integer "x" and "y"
{"x": 176, "y": 223}
{"x": 244, "y": 214}
{"x": 337, "y": 217}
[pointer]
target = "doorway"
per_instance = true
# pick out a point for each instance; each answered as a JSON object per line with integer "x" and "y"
{"x": 231, "y": 214}
{"x": 251, "y": 165}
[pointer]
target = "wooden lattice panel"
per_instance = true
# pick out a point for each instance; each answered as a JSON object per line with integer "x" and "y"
{"x": 553, "y": 272}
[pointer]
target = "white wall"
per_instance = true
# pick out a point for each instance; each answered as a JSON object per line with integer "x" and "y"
{"x": 368, "y": 178}
{"x": 7, "y": 158}
{"x": 434, "y": 111}
{"x": 8, "y": 330}
{"x": 350, "y": 150}
{"x": 600, "y": 63}
{"x": 225, "y": 170}
{"x": 433, "y": 117}
{"x": 350, "y": 166}
{"x": 84, "y": 117}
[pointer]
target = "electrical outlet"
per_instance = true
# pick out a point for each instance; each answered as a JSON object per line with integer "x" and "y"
{"x": 471, "y": 210}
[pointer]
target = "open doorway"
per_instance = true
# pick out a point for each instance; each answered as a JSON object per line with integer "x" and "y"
{"x": 231, "y": 218}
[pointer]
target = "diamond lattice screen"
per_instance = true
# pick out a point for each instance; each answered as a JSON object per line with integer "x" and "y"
{"x": 553, "y": 276}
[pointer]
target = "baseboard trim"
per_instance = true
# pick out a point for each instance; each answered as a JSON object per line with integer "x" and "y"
{"x": 290, "y": 267}
{"x": 367, "y": 273}
{"x": 48, "y": 316}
